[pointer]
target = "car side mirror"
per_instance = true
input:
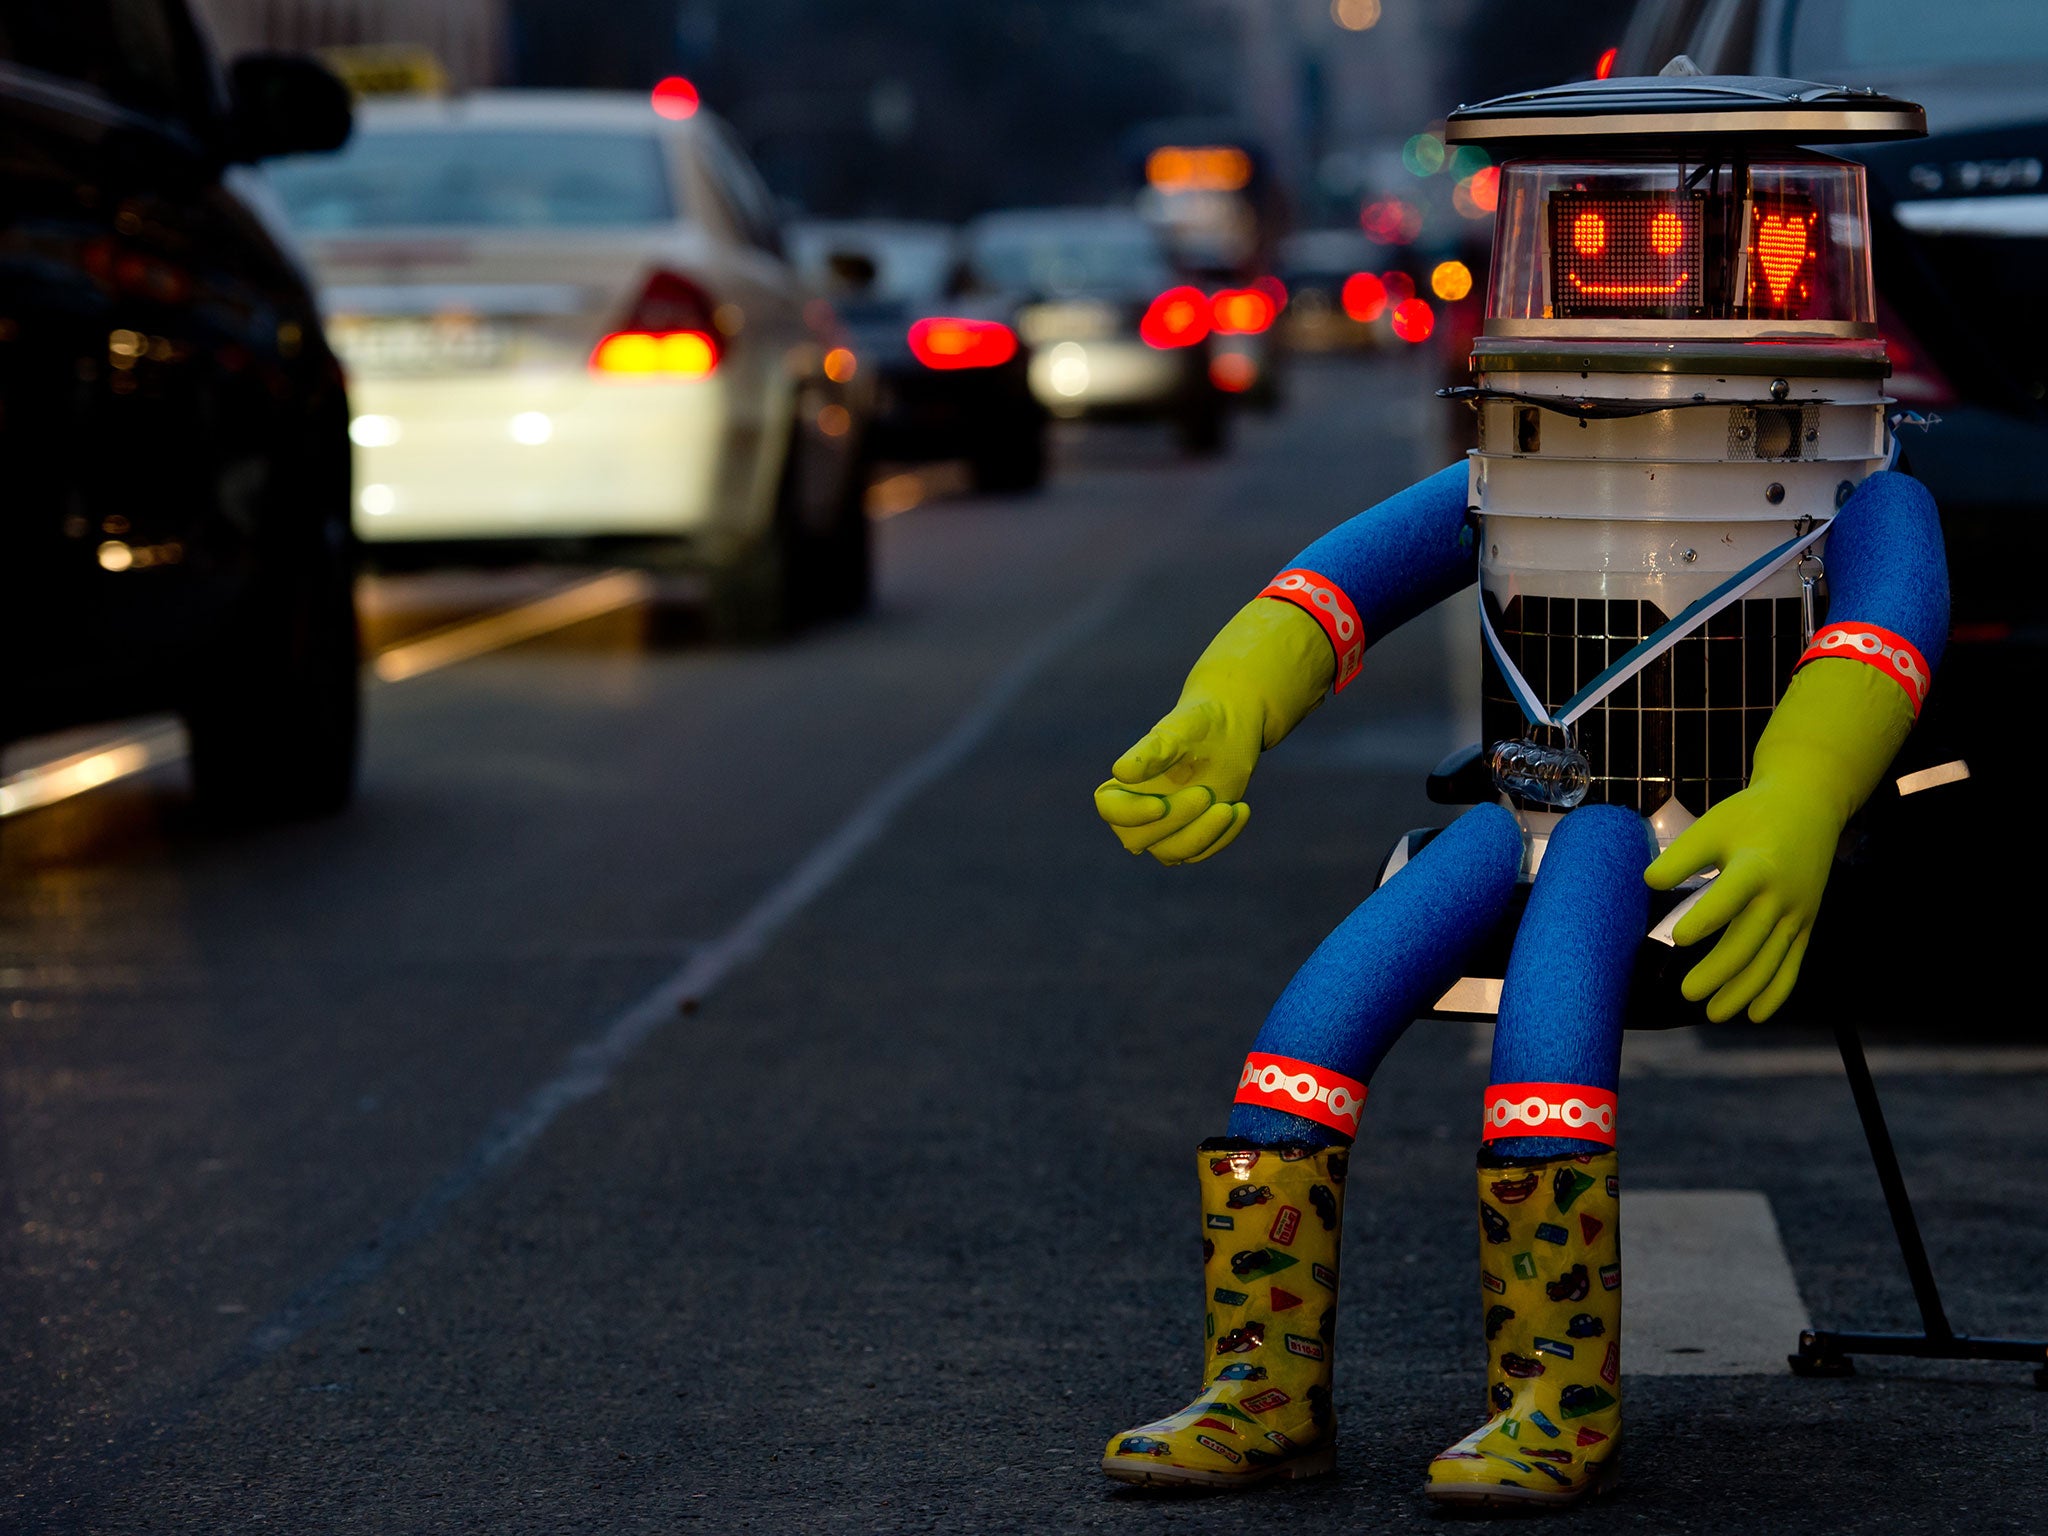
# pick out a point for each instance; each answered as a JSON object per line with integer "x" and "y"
{"x": 285, "y": 104}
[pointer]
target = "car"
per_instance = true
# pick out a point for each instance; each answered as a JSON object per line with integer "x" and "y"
{"x": 952, "y": 379}
{"x": 1115, "y": 331}
{"x": 174, "y": 425}
{"x": 1960, "y": 252}
{"x": 569, "y": 321}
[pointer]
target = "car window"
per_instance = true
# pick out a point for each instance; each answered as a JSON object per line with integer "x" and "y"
{"x": 1827, "y": 39}
{"x": 141, "y": 54}
{"x": 1070, "y": 260}
{"x": 748, "y": 199}
{"x": 910, "y": 265}
{"x": 478, "y": 178}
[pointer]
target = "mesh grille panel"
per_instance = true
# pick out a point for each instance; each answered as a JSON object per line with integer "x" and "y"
{"x": 1686, "y": 724}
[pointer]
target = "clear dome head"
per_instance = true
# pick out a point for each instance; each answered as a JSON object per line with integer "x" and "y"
{"x": 1779, "y": 246}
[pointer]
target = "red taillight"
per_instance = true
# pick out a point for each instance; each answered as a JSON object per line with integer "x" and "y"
{"x": 1414, "y": 320}
{"x": 1273, "y": 289}
{"x": 1915, "y": 379}
{"x": 676, "y": 98}
{"x": 1179, "y": 317}
{"x": 1605, "y": 67}
{"x": 1243, "y": 311}
{"x": 945, "y": 342}
{"x": 657, "y": 354}
{"x": 1233, "y": 372}
{"x": 668, "y": 333}
{"x": 1400, "y": 287}
{"x": 1364, "y": 297}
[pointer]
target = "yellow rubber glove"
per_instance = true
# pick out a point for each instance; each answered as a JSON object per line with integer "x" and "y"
{"x": 1178, "y": 794}
{"x": 1828, "y": 744}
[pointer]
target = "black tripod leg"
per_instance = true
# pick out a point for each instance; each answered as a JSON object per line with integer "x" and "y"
{"x": 1911, "y": 1248}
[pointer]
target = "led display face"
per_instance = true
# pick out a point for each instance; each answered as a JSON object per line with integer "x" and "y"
{"x": 1784, "y": 259}
{"x": 1623, "y": 254}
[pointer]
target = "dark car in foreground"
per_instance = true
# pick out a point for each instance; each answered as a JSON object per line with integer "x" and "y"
{"x": 952, "y": 378}
{"x": 1116, "y": 332}
{"x": 1960, "y": 249}
{"x": 173, "y": 425}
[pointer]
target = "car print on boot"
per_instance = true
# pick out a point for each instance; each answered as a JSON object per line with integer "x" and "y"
{"x": 1573, "y": 1285}
{"x": 1496, "y": 1225}
{"x": 1503, "y": 1396}
{"x": 1242, "y": 1341}
{"x": 1142, "y": 1445}
{"x": 1585, "y": 1325}
{"x": 1248, "y": 1195}
{"x": 1242, "y": 1372}
{"x": 1520, "y": 1366}
{"x": 1325, "y": 1204}
{"x": 1496, "y": 1318}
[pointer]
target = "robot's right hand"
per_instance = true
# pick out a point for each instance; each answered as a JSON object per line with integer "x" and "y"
{"x": 1178, "y": 794}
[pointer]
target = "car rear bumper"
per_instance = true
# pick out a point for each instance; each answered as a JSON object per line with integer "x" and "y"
{"x": 925, "y": 414}
{"x": 548, "y": 456}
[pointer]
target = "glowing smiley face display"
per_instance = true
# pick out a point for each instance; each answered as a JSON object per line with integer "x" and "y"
{"x": 1626, "y": 253}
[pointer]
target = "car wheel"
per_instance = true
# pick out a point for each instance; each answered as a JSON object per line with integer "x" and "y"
{"x": 1012, "y": 464}
{"x": 797, "y": 571}
{"x": 275, "y": 726}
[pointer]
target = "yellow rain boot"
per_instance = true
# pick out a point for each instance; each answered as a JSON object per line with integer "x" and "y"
{"x": 1550, "y": 1272}
{"x": 1272, "y": 1218}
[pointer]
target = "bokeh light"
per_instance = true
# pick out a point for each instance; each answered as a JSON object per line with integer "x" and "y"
{"x": 1355, "y": 15}
{"x": 676, "y": 98}
{"x": 1451, "y": 281}
{"x": 1423, "y": 155}
{"x": 1364, "y": 297}
{"x": 1414, "y": 320}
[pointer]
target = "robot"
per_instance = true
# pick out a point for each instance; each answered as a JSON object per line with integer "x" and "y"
{"x": 1711, "y": 614}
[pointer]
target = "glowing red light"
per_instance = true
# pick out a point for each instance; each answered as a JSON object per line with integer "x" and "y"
{"x": 946, "y": 343}
{"x": 1414, "y": 320}
{"x": 1233, "y": 372}
{"x": 1243, "y": 311}
{"x": 1667, "y": 233}
{"x": 1485, "y": 188}
{"x": 1391, "y": 221}
{"x": 1589, "y": 234}
{"x": 1179, "y": 317}
{"x": 1273, "y": 289}
{"x": 1364, "y": 297}
{"x": 656, "y": 354}
{"x": 1400, "y": 287}
{"x": 676, "y": 98}
{"x": 1605, "y": 67}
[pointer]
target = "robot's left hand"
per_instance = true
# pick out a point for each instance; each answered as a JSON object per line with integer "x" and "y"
{"x": 1774, "y": 844}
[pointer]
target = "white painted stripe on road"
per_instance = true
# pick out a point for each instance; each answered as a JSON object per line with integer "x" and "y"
{"x": 471, "y": 638}
{"x": 123, "y": 757}
{"x": 1706, "y": 1287}
{"x": 591, "y": 1065}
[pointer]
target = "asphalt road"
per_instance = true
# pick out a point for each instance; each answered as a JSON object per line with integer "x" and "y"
{"x": 747, "y": 1088}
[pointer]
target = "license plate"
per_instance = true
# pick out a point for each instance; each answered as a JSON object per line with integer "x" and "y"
{"x": 1043, "y": 323}
{"x": 420, "y": 344}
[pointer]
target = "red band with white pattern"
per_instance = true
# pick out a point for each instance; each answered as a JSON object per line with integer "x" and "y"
{"x": 1549, "y": 1109}
{"x": 1302, "y": 1088}
{"x": 1893, "y": 655}
{"x": 1324, "y": 601}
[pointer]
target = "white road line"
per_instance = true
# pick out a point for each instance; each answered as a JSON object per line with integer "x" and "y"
{"x": 123, "y": 757}
{"x": 1706, "y": 1287}
{"x": 471, "y": 638}
{"x": 591, "y": 1064}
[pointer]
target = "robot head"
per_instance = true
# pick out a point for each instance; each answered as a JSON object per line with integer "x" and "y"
{"x": 1686, "y": 206}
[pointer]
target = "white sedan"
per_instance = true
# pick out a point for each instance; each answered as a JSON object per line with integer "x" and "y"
{"x": 567, "y": 317}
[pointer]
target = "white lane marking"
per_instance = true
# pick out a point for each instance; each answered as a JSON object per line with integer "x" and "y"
{"x": 471, "y": 638}
{"x": 1706, "y": 1287}
{"x": 81, "y": 772}
{"x": 1680, "y": 1053}
{"x": 123, "y": 757}
{"x": 591, "y": 1064}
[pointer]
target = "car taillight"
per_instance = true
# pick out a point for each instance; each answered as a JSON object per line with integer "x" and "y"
{"x": 669, "y": 333}
{"x": 1243, "y": 311}
{"x": 1414, "y": 320}
{"x": 945, "y": 342}
{"x": 1364, "y": 297}
{"x": 1915, "y": 379}
{"x": 1179, "y": 317}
